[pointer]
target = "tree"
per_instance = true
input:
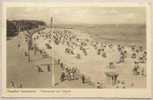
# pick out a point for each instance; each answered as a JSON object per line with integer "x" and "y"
{"x": 11, "y": 29}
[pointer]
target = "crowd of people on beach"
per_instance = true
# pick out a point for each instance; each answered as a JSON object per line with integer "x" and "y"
{"x": 68, "y": 72}
{"x": 73, "y": 43}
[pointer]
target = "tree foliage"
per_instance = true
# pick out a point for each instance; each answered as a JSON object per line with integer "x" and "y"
{"x": 14, "y": 26}
{"x": 11, "y": 29}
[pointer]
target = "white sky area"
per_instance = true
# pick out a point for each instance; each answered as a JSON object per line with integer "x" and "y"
{"x": 80, "y": 15}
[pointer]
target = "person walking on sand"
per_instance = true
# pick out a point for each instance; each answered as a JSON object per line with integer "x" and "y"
{"x": 136, "y": 69}
{"x": 112, "y": 72}
{"x": 83, "y": 78}
{"x": 62, "y": 76}
{"x": 12, "y": 84}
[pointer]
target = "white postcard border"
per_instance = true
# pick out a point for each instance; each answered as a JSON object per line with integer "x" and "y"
{"x": 120, "y": 93}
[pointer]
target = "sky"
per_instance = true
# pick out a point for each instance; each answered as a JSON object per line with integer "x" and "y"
{"x": 80, "y": 15}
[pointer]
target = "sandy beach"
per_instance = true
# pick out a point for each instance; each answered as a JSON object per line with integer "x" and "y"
{"x": 90, "y": 63}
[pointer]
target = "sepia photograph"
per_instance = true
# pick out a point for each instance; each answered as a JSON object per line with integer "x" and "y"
{"x": 76, "y": 47}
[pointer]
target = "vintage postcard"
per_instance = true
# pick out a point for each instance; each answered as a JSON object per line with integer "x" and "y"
{"x": 76, "y": 50}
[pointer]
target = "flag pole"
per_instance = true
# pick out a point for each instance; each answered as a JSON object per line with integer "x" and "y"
{"x": 52, "y": 56}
